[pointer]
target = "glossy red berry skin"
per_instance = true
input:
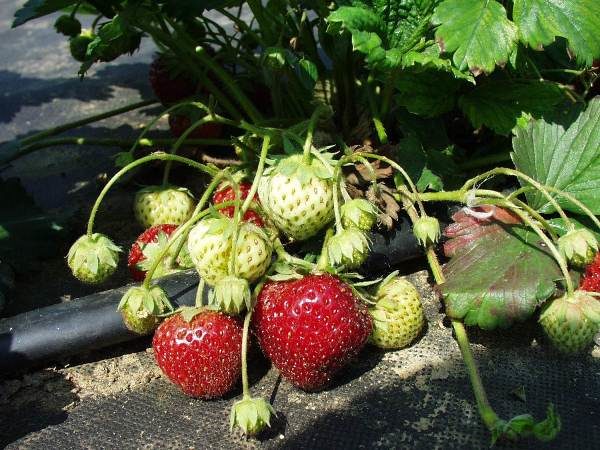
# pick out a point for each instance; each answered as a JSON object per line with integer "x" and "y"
{"x": 179, "y": 123}
{"x": 227, "y": 194}
{"x": 591, "y": 279}
{"x": 136, "y": 252}
{"x": 202, "y": 357}
{"x": 310, "y": 328}
{"x": 167, "y": 87}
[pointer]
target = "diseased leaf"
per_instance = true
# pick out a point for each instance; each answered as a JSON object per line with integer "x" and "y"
{"x": 566, "y": 160}
{"x": 476, "y": 31}
{"x": 32, "y": 9}
{"x": 499, "y": 272}
{"x": 578, "y": 21}
{"x": 498, "y": 104}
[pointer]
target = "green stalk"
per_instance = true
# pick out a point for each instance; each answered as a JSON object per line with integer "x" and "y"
{"x": 236, "y": 228}
{"x": 153, "y": 157}
{"x": 78, "y": 123}
{"x": 528, "y": 179}
{"x": 376, "y": 117}
{"x": 309, "y": 133}
{"x": 109, "y": 142}
{"x": 198, "y": 303}
{"x": 257, "y": 176}
{"x": 286, "y": 257}
{"x": 323, "y": 262}
{"x": 245, "y": 384}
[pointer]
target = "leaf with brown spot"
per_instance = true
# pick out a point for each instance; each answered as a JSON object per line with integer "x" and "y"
{"x": 499, "y": 273}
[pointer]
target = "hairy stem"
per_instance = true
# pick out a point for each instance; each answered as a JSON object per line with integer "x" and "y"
{"x": 245, "y": 385}
{"x": 153, "y": 157}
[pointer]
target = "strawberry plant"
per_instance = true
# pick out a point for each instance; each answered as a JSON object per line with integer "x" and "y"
{"x": 373, "y": 109}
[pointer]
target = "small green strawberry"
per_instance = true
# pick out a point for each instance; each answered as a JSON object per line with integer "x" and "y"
{"x": 298, "y": 197}
{"x": 571, "y": 322}
{"x": 78, "y": 45}
{"x": 252, "y": 415}
{"x": 427, "y": 230}
{"x": 140, "y": 307}
{"x": 348, "y": 248}
{"x": 358, "y": 213}
{"x": 92, "y": 259}
{"x": 398, "y": 314}
{"x": 232, "y": 295}
{"x": 155, "y": 205}
{"x": 209, "y": 246}
{"x": 67, "y": 25}
{"x": 579, "y": 247}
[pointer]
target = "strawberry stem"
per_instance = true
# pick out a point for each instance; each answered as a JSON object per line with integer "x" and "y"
{"x": 245, "y": 387}
{"x": 310, "y": 132}
{"x": 78, "y": 123}
{"x": 153, "y": 157}
{"x": 292, "y": 260}
{"x": 522, "y": 176}
{"x": 257, "y": 176}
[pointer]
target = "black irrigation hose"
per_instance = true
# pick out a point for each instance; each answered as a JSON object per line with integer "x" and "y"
{"x": 92, "y": 322}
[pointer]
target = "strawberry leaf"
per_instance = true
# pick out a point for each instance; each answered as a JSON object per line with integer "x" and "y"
{"x": 568, "y": 160}
{"x": 476, "y": 31}
{"x": 498, "y": 104}
{"x": 32, "y": 9}
{"x": 578, "y": 21}
{"x": 499, "y": 272}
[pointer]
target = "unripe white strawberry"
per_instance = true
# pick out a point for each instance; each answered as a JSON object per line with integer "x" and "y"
{"x": 209, "y": 246}
{"x": 92, "y": 259}
{"x": 571, "y": 322}
{"x": 427, "y": 230}
{"x": 348, "y": 248}
{"x": 155, "y": 205}
{"x": 579, "y": 247}
{"x": 140, "y": 307}
{"x": 298, "y": 197}
{"x": 358, "y": 213}
{"x": 398, "y": 314}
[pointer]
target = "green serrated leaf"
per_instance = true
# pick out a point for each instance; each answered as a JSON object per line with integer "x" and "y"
{"x": 497, "y": 275}
{"x": 578, "y": 21}
{"x": 566, "y": 160}
{"x": 32, "y": 9}
{"x": 477, "y": 32}
{"x": 498, "y": 104}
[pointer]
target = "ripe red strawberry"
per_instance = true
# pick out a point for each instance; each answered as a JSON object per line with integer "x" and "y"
{"x": 591, "y": 279}
{"x": 168, "y": 85}
{"x": 227, "y": 194}
{"x": 202, "y": 356}
{"x": 179, "y": 123}
{"x": 310, "y": 328}
{"x": 147, "y": 246}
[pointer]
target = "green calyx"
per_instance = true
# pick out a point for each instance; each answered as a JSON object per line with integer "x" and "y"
{"x": 296, "y": 167}
{"x": 578, "y": 246}
{"x": 232, "y": 295}
{"x": 92, "y": 259}
{"x": 572, "y": 321}
{"x": 251, "y": 415}
{"x": 67, "y": 25}
{"x": 140, "y": 307}
{"x": 427, "y": 230}
{"x": 358, "y": 213}
{"x": 348, "y": 248}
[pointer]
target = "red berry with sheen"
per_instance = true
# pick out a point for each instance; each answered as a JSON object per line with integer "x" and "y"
{"x": 202, "y": 357}
{"x": 227, "y": 194}
{"x": 169, "y": 87}
{"x": 310, "y": 328}
{"x": 591, "y": 279}
{"x": 143, "y": 247}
